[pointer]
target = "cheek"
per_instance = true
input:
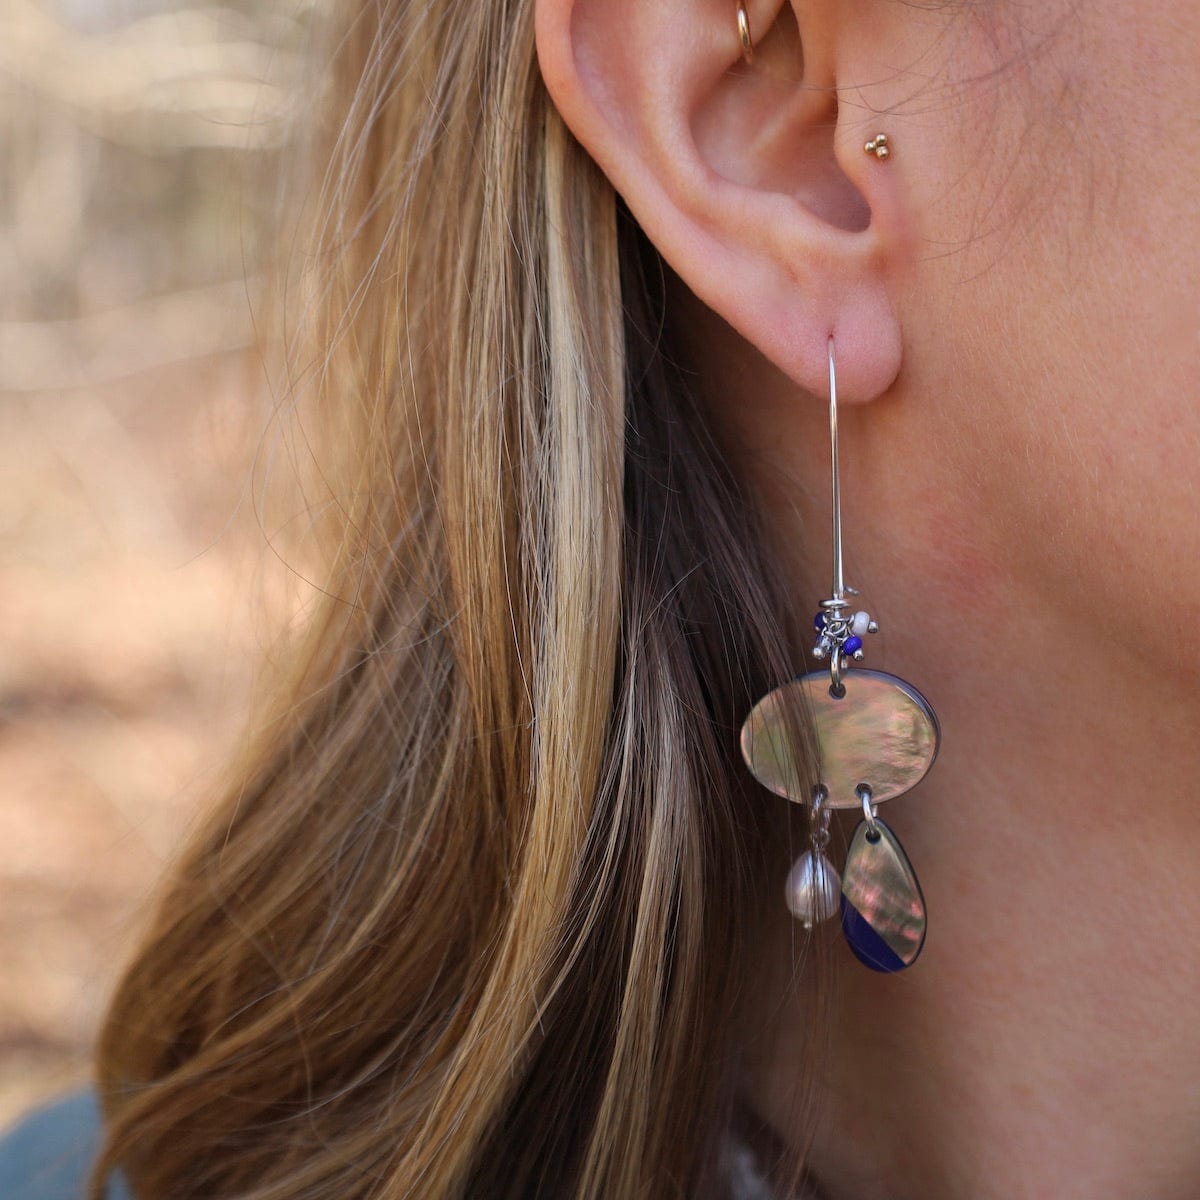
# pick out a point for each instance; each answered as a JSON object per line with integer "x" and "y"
{"x": 1059, "y": 283}
{"x": 1090, "y": 450}
{"x": 1114, "y": 514}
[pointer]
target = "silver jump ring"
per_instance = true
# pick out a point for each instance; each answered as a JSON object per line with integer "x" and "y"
{"x": 869, "y": 810}
{"x": 836, "y": 687}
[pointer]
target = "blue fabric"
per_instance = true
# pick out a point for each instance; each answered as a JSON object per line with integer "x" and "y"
{"x": 47, "y": 1156}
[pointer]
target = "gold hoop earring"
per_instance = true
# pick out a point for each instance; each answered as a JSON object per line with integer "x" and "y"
{"x": 743, "y": 22}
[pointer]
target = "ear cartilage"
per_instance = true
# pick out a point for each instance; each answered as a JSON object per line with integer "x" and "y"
{"x": 878, "y": 146}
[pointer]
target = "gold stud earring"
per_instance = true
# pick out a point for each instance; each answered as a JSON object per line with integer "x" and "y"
{"x": 744, "y": 32}
{"x": 878, "y": 146}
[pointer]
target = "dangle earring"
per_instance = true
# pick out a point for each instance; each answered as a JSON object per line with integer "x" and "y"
{"x": 876, "y": 737}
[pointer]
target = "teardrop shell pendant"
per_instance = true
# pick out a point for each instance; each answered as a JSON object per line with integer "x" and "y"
{"x": 874, "y": 737}
{"x": 883, "y": 910}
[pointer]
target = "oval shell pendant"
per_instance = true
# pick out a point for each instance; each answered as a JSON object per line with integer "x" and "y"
{"x": 883, "y": 910}
{"x": 881, "y": 732}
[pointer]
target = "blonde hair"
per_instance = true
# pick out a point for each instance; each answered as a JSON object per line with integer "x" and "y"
{"x": 470, "y": 920}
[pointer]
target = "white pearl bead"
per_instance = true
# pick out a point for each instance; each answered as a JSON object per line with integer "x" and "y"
{"x": 814, "y": 890}
{"x": 860, "y": 624}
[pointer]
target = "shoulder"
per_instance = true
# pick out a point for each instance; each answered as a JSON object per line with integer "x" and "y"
{"x": 48, "y": 1154}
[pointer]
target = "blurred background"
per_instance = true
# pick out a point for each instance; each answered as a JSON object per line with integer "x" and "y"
{"x": 140, "y": 146}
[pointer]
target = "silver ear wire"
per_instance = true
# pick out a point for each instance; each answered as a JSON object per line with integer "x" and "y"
{"x": 840, "y": 633}
{"x": 835, "y": 475}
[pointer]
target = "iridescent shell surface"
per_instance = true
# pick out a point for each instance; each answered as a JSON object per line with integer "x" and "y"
{"x": 880, "y": 733}
{"x": 883, "y": 908}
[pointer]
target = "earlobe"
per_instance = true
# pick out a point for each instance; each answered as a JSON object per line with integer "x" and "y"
{"x": 748, "y": 177}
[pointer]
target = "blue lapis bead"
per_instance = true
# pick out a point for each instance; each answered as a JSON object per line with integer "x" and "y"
{"x": 853, "y": 645}
{"x": 819, "y": 622}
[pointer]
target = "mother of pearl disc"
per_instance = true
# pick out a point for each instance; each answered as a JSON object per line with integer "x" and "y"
{"x": 880, "y": 733}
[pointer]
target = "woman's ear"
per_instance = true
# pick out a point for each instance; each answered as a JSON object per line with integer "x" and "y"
{"x": 750, "y": 178}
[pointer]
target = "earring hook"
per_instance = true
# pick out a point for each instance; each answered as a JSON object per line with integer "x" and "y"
{"x": 838, "y": 631}
{"x": 839, "y": 585}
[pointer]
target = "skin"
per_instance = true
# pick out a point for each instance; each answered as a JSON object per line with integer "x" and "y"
{"x": 1013, "y": 301}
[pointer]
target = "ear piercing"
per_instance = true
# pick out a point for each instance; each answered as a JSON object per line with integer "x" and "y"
{"x": 878, "y": 146}
{"x": 744, "y": 32}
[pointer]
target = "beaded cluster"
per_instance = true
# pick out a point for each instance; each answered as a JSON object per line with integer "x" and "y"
{"x": 840, "y": 631}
